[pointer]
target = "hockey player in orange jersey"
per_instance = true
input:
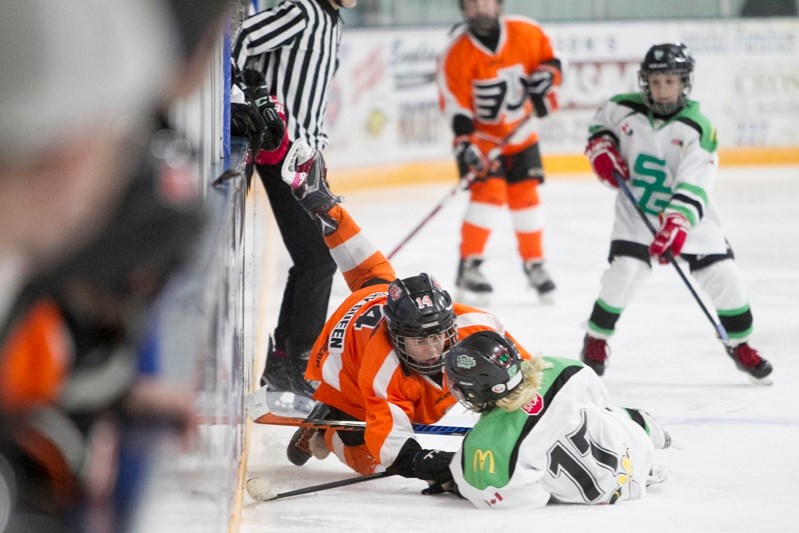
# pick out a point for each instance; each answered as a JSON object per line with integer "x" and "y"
{"x": 378, "y": 358}
{"x": 496, "y": 72}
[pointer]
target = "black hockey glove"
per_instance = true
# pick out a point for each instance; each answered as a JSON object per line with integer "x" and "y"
{"x": 274, "y": 124}
{"x": 469, "y": 158}
{"x": 538, "y": 86}
{"x": 433, "y": 467}
{"x": 246, "y": 121}
{"x": 428, "y": 465}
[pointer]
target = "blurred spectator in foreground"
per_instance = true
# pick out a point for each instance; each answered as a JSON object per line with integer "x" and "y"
{"x": 70, "y": 377}
{"x": 76, "y": 78}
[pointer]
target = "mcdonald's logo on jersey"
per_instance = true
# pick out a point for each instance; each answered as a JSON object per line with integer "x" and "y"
{"x": 481, "y": 458}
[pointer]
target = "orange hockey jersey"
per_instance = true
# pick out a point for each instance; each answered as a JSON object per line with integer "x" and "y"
{"x": 489, "y": 87}
{"x": 353, "y": 358}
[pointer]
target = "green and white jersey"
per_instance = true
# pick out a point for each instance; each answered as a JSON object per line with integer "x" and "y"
{"x": 673, "y": 166}
{"x": 563, "y": 445}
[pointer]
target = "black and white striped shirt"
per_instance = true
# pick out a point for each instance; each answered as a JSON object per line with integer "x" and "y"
{"x": 295, "y": 44}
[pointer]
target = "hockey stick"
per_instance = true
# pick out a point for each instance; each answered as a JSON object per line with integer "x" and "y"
{"x": 463, "y": 183}
{"x": 258, "y": 411}
{"x": 259, "y": 488}
{"x": 721, "y": 333}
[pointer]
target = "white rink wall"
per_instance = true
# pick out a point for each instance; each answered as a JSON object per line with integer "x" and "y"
{"x": 384, "y": 107}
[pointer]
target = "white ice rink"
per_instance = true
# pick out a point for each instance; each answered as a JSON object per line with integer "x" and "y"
{"x": 737, "y": 467}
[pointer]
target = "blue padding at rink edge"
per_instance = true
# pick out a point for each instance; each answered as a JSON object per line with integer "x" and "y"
{"x": 226, "y": 92}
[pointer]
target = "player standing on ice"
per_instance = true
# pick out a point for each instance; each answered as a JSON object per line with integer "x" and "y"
{"x": 665, "y": 148}
{"x": 378, "y": 358}
{"x": 546, "y": 431}
{"x": 496, "y": 72}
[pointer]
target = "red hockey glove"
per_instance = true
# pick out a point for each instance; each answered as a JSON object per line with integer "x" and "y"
{"x": 671, "y": 237}
{"x": 604, "y": 156}
{"x": 470, "y": 158}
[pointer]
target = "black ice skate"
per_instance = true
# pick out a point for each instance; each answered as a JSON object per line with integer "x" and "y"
{"x": 595, "y": 354}
{"x": 540, "y": 280}
{"x": 748, "y": 360}
{"x": 284, "y": 373}
{"x": 473, "y": 287}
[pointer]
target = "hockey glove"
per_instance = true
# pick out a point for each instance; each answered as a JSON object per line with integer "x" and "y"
{"x": 246, "y": 121}
{"x": 433, "y": 466}
{"x": 272, "y": 114}
{"x": 274, "y": 121}
{"x": 670, "y": 238}
{"x": 470, "y": 158}
{"x": 428, "y": 465}
{"x": 539, "y": 89}
{"x": 604, "y": 156}
{"x": 305, "y": 172}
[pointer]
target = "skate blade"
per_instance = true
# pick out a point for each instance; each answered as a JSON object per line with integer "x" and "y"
{"x": 475, "y": 299}
{"x": 764, "y": 381}
{"x": 288, "y": 403}
{"x": 548, "y": 298}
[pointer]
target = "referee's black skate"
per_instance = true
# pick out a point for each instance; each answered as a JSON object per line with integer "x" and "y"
{"x": 286, "y": 373}
{"x": 748, "y": 360}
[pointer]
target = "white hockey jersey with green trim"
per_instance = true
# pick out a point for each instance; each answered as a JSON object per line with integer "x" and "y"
{"x": 673, "y": 166}
{"x": 563, "y": 445}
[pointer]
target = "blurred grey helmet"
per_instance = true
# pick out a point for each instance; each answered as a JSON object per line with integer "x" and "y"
{"x": 71, "y": 64}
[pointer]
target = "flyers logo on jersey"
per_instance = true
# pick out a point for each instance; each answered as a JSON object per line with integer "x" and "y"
{"x": 534, "y": 406}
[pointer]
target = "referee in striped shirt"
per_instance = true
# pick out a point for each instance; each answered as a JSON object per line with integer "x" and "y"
{"x": 295, "y": 46}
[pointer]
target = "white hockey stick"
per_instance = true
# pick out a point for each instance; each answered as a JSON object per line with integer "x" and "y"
{"x": 258, "y": 410}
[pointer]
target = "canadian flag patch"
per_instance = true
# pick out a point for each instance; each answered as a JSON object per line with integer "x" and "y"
{"x": 534, "y": 406}
{"x": 495, "y": 500}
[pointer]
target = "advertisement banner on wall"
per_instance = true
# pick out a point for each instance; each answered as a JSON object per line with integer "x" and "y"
{"x": 384, "y": 103}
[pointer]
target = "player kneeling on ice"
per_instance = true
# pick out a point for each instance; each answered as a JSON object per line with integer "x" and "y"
{"x": 546, "y": 431}
{"x": 378, "y": 358}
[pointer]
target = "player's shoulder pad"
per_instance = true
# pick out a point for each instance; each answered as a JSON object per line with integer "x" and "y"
{"x": 692, "y": 117}
{"x": 633, "y": 101}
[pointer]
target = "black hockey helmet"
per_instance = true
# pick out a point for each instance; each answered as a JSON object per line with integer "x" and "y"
{"x": 667, "y": 58}
{"x": 418, "y": 307}
{"x": 483, "y": 368}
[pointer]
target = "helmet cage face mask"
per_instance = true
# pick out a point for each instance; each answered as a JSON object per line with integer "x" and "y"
{"x": 482, "y": 369}
{"x": 667, "y": 59}
{"x": 419, "y": 308}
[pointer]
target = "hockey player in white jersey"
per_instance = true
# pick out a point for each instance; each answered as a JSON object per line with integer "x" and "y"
{"x": 546, "y": 432}
{"x": 664, "y": 147}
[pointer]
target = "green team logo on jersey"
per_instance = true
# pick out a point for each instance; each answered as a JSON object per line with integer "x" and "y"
{"x": 655, "y": 194}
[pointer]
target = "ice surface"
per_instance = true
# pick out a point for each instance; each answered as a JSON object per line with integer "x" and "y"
{"x": 737, "y": 467}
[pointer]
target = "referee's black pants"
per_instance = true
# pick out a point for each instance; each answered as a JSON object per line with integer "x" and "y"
{"x": 307, "y": 292}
